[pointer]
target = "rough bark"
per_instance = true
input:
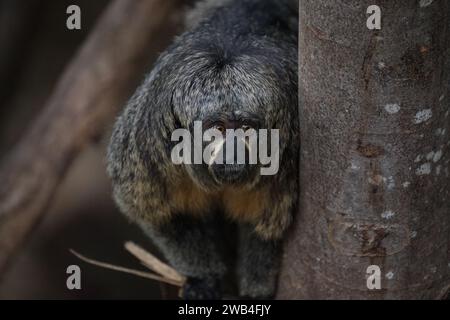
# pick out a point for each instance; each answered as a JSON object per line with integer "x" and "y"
{"x": 96, "y": 83}
{"x": 375, "y": 155}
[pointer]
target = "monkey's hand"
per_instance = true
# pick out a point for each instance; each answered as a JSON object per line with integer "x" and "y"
{"x": 202, "y": 289}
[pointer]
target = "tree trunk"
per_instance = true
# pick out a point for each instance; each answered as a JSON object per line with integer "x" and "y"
{"x": 374, "y": 109}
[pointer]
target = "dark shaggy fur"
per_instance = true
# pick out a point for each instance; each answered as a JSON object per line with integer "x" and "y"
{"x": 239, "y": 57}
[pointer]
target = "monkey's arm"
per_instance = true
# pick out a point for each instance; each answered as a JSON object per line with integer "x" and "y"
{"x": 189, "y": 244}
{"x": 258, "y": 264}
{"x": 260, "y": 244}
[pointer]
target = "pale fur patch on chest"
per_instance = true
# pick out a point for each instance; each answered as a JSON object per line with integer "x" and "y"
{"x": 187, "y": 197}
{"x": 245, "y": 205}
{"x": 237, "y": 203}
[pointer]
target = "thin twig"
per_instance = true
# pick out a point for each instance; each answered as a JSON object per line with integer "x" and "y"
{"x": 138, "y": 273}
{"x": 153, "y": 263}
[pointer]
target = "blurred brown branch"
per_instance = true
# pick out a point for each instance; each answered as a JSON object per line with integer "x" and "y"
{"x": 91, "y": 90}
{"x": 17, "y": 19}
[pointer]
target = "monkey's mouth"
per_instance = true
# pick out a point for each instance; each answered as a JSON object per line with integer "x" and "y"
{"x": 231, "y": 173}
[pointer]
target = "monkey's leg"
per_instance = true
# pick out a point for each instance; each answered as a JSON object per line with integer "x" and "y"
{"x": 189, "y": 244}
{"x": 258, "y": 264}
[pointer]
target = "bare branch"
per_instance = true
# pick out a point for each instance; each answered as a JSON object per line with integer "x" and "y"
{"x": 95, "y": 84}
{"x": 138, "y": 273}
{"x": 153, "y": 263}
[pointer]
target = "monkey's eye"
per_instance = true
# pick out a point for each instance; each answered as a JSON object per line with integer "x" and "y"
{"x": 219, "y": 127}
{"x": 246, "y": 127}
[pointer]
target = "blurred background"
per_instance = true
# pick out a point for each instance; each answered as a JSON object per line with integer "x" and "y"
{"x": 35, "y": 47}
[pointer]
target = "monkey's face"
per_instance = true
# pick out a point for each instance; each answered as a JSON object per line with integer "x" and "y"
{"x": 229, "y": 150}
{"x": 250, "y": 91}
